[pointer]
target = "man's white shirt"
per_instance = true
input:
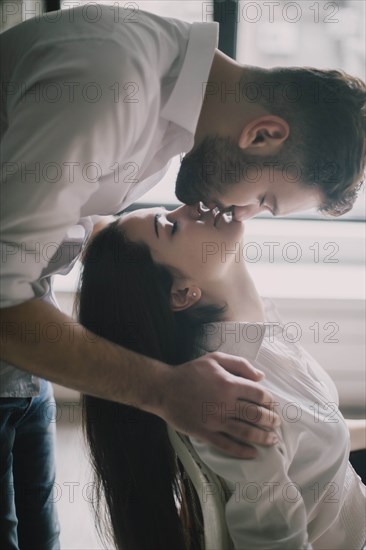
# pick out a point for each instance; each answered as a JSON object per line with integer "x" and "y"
{"x": 92, "y": 113}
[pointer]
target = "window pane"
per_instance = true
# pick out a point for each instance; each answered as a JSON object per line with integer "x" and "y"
{"x": 188, "y": 10}
{"x": 319, "y": 34}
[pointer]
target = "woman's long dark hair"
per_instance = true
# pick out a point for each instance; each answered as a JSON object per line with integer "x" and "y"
{"x": 124, "y": 297}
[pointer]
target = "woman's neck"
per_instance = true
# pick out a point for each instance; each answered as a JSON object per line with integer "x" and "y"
{"x": 239, "y": 292}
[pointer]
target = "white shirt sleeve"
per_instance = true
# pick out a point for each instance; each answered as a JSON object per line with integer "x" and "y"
{"x": 64, "y": 132}
{"x": 265, "y": 509}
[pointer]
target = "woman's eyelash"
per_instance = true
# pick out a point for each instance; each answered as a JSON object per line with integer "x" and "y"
{"x": 175, "y": 226}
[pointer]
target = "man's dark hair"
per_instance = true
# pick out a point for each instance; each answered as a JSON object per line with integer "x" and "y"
{"x": 326, "y": 112}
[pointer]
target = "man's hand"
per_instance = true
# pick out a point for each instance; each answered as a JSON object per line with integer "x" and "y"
{"x": 217, "y": 399}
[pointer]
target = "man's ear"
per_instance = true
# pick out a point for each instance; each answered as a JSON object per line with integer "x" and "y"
{"x": 266, "y": 133}
{"x": 182, "y": 297}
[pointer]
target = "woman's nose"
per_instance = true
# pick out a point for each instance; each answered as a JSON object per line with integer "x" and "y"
{"x": 182, "y": 212}
{"x": 241, "y": 213}
{"x": 176, "y": 212}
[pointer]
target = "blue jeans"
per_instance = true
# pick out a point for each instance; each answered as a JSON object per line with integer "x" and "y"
{"x": 28, "y": 518}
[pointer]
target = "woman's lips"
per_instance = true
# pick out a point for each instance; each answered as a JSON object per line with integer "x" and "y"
{"x": 227, "y": 216}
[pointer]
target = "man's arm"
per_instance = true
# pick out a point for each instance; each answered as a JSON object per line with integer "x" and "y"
{"x": 206, "y": 398}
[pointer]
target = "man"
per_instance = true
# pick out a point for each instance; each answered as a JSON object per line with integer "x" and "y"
{"x": 93, "y": 109}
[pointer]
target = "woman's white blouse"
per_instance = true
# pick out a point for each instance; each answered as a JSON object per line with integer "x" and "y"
{"x": 302, "y": 492}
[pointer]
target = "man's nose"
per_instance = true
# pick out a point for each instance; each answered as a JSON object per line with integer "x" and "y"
{"x": 241, "y": 213}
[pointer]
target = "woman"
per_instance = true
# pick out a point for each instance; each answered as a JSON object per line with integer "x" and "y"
{"x": 174, "y": 285}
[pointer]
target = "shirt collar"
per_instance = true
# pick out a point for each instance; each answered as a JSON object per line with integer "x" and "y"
{"x": 237, "y": 338}
{"x": 184, "y": 104}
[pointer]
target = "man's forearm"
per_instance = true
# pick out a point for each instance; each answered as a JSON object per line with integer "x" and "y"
{"x": 38, "y": 338}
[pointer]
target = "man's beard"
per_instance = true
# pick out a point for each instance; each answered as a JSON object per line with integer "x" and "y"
{"x": 215, "y": 165}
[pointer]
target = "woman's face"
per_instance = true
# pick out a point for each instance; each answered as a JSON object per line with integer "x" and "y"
{"x": 187, "y": 240}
